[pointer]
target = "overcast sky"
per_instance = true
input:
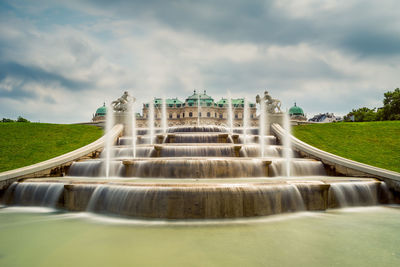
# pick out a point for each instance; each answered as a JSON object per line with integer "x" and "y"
{"x": 60, "y": 61}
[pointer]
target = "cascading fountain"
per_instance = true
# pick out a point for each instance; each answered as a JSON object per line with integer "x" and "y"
{"x": 287, "y": 145}
{"x": 197, "y": 172}
{"x": 207, "y": 183}
{"x": 262, "y": 125}
{"x": 109, "y": 141}
{"x": 133, "y": 127}
{"x": 164, "y": 115}
{"x": 150, "y": 122}
{"x": 230, "y": 113}
{"x": 198, "y": 110}
{"x": 246, "y": 118}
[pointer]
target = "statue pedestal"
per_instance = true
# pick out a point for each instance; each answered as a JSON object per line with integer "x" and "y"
{"x": 274, "y": 118}
{"x": 124, "y": 118}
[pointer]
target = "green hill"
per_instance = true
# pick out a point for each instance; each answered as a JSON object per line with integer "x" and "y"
{"x": 23, "y": 144}
{"x": 373, "y": 143}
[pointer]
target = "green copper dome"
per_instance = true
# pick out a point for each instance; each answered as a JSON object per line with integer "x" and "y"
{"x": 101, "y": 111}
{"x": 204, "y": 99}
{"x": 295, "y": 110}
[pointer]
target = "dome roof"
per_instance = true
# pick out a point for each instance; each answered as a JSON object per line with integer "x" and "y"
{"x": 295, "y": 110}
{"x": 196, "y": 96}
{"x": 101, "y": 111}
{"x": 204, "y": 99}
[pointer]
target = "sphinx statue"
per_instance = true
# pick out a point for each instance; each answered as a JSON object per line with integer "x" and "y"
{"x": 122, "y": 103}
{"x": 272, "y": 105}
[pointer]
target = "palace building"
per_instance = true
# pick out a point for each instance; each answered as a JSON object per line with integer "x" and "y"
{"x": 196, "y": 108}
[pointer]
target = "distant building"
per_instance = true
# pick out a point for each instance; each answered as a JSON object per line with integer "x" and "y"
{"x": 296, "y": 113}
{"x": 100, "y": 113}
{"x": 325, "y": 118}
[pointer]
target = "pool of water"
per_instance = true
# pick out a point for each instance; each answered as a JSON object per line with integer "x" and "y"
{"x": 347, "y": 237}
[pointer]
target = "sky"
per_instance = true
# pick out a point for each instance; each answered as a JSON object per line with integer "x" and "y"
{"x": 60, "y": 60}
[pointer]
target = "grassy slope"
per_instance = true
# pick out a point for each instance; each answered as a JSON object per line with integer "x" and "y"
{"x": 23, "y": 144}
{"x": 373, "y": 143}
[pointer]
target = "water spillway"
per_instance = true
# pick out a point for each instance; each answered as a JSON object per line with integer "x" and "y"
{"x": 196, "y": 150}
{"x": 34, "y": 194}
{"x": 196, "y": 172}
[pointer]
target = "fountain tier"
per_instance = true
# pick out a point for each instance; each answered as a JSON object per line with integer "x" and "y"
{"x": 189, "y": 199}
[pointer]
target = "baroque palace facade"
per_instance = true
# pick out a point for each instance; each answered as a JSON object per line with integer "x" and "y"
{"x": 190, "y": 113}
{"x": 199, "y": 109}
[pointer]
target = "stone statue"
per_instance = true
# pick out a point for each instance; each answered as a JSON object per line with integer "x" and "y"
{"x": 272, "y": 105}
{"x": 122, "y": 103}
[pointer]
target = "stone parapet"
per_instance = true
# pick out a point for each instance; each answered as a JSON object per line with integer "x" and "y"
{"x": 58, "y": 165}
{"x": 337, "y": 165}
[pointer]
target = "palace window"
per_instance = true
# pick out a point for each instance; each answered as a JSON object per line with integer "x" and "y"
{"x": 190, "y": 114}
{"x": 170, "y": 115}
{"x": 220, "y": 116}
{"x": 199, "y": 114}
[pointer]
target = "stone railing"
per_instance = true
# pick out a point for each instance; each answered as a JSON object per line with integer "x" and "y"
{"x": 58, "y": 163}
{"x": 340, "y": 166}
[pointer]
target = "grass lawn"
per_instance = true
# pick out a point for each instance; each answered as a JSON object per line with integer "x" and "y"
{"x": 23, "y": 144}
{"x": 373, "y": 143}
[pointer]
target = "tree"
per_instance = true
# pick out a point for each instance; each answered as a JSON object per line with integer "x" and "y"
{"x": 362, "y": 114}
{"x": 21, "y": 119}
{"x": 391, "y": 108}
{"x": 7, "y": 120}
{"x": 389, "y": 111}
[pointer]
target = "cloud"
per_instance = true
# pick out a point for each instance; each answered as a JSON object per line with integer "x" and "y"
{"x": 27, "y": 74}
{"x": 61, "y": 60}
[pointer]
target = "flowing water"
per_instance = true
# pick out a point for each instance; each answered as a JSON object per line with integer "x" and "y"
{"x": 287, "y": 145}
{"x": 133, "y": 128}
{"x": 164, "y": 119}
{"x": 246, "y": 119}
{"x": 262, "y": 125}
{"x": 150, "y": 122}
{"x": 230, "y": 113}
{"x": 198, "y": 110}
{"x": 109, "y": 141}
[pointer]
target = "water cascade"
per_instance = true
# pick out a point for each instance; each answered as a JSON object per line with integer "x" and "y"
{"x": 262, "y": 122}
{"x": 246, "y": 118}
{"x": 151, "y": 121}
{"x": 133, "y": 127}
{"x": 197, "y": 172}
{"x": 164, "y": 115}
{"x": 198, "y": 110}
{"x": 230, "y": 113}
{"x": 109, "y": 140}
{"x": 354, "y": 194}
{"x": 34, "y": 194}
{"x": 287, "y": 144}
